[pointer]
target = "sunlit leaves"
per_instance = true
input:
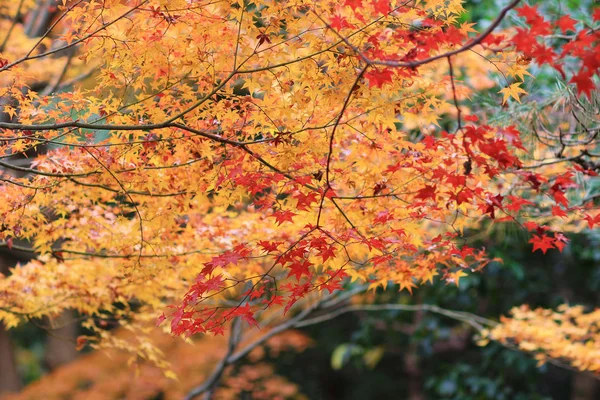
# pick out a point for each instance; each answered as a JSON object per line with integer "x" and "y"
{"x": 569, "y": 334}
{"x": 222, "y": 159}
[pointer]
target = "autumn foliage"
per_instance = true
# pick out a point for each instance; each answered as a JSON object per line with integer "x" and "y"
{"x": 108, "y": 375}
{"x": 210, "y": 161}
{"x": 568, "y": 334}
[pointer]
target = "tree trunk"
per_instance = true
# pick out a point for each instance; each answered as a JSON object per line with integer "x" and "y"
{"x": 9, "y": 376}
{"x": 412, "y": 361}
{"x": 584, "y": 387}
{"x": 60, "y": 347}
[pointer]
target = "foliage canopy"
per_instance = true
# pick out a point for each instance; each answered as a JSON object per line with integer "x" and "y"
{"x": 208, "y": 161}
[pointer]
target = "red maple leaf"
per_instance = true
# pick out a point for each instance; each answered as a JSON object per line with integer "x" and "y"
{"x": 305, "y": 200}
{"x": 512, "y": 135}
{"x": 456, "y": 180}
{"x": 592, "y": 220}
{"x": 282, "y": 216}
{"x": 246, "y": 313}
{"x": 493, "y": 40}
{"x": 542, "y": 243}
{"x": 530, "y": 225}
{"x": 331, "y": 285}
{"x": 560, "y": 241}
{"x": 382, "y": 6}
{"x": 275, "y": 300}
{"x": 338, "y": 22}
{"x": 378, "y": 78}
{"x": 566, "y": 23}
{"x": 557, "y": 211}
{"x": 327, "y": 252}
{"x": 299, "y": 268}
{"x": 269, "y": 247}
{"x": 543, "y": 54}
{"x": 523, "y": 40}
{"x": 517, "y": 203}
{"x": 493, "y": 202}
{"x": 256, "y": 293}
{"x": 584, "y": 83}
{"x": 559, "y": 197}
{"x": 377, "y": 260}
{"x": 539, "y": 26}
{"x": 383, "y": 217}
{"x": 425, "y": 193}
{"x": 535, "y": 180}
{"x": 353, "y": 4}
{"x": 228, "y": 257}
{"x": 531, "y": 14}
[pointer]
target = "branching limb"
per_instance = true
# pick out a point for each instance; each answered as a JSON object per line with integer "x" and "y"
{"x": 209, "y": 386}
{"x": 302, "y": 320}
{"x": 12, "y": 26}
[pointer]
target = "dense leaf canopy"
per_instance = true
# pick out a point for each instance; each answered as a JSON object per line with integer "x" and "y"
{"x": 204, "y": 161}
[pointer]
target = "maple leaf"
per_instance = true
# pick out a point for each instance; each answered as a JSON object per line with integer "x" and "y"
{"x": 378, "y": 78}
{"x": 427, "y": 192}
{"x": 299, "y": 268}
{"x": 542, "y": 243}
{"x": 331, "y": 285}
{"x": 275, "y": 300}
{"x": 531, "y": 14}
{"x": 222, "y": 260}
{"x": 592, "y": 220}
{"x": 382, "y": 6}
{"x": 339, "y": 22}
{"x": 407, "y": 284}
{"x": 466, "y": 28}
{"x": 512, "y": 91}
{"x": 583, "y": 81}
{"x": 559, "y": 212}
{"x": 566, "y": 23}
{"x": 305, "y": 200}
{"x": 492, "y": 203}
{"x": 269, "y": 247}
{"x": 517, "y": 203}
{"x": 560, "y": 241}
{"x": 454, "y": 277}
{"x": 513, "y": 136}
{"x": 560, "y": 198}
{"x": 246, "y": 313}
{"x": 354, "y": 4}
{"x": 383, "y": 216}
{"x": 282, "y": 216}
{"x": 530, "y": 225}
{"x": 327, "y": 252}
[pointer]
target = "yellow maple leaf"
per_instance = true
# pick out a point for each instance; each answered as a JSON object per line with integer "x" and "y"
{"x": 466, "y": 28}
{"x": 512, "y": 91}
{"x": 519, "y": 71}
{"x": 454, "y": 277}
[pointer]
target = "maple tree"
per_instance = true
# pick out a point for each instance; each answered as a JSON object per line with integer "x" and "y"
{"x": 210, "y": 162}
